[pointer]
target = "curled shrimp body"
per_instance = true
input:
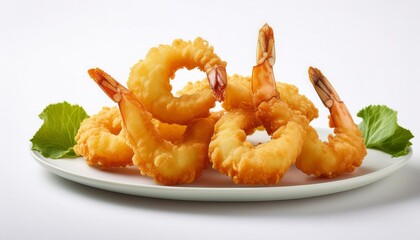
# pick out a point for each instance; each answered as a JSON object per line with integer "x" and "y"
{"x": 342, "y": 152}
{"x": 264, "y": 163}
{"x": 149, "y": 80}
{"x": 167, "y": 162}
{"x": 100, "y": 140}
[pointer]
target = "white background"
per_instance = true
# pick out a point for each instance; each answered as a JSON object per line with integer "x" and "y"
{"x": 370, "y": 51}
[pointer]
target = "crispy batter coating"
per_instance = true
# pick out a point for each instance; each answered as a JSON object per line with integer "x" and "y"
{"x": 170, "y": 132}
{"x": 100, "y": 140}
{"x": 340, "y": 154}
{"x": 149, "y": 80}
{"x": 289, "y": 93}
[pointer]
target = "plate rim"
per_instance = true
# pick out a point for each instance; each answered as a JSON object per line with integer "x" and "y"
{"x": 227, "y": 194}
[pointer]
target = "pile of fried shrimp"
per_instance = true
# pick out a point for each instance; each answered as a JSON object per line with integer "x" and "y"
{"x": 172, "y": 139}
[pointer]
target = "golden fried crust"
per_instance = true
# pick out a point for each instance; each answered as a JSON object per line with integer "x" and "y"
{"x": 341, "y": 154}
{"x": 170, "y": 132}
{"x": 100, "y": 140}
{"x": 289, "y": 93}
{"x": 180, "y": 163}
{"x": 149, "y": 80}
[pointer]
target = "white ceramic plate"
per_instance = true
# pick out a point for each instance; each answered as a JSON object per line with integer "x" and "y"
{"x": 213, "y": 186}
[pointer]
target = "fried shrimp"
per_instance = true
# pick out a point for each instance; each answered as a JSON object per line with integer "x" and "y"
{"x": 149, "y": 80}
{"x": 345, "y": 150}
{"x": 167, "y": 162}
{"x": 265, "y": 163}
{"x": 100, "y": 140}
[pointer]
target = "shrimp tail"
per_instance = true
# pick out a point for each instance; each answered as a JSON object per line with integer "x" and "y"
{"x": 217, "y": 78}
{"x": 263, "y": 82}
{"x": 109, "y": 85}
{"x": 323, "y": 87}
{"x": 340, "y": 115}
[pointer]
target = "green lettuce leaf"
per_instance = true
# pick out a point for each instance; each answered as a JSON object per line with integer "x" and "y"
{"x": 56, "y": 137}
{"x": 381, "y": 130}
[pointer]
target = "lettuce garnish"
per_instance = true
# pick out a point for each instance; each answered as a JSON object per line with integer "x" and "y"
{"x": 56, "y": 137}
{"x": 382, "y": 132}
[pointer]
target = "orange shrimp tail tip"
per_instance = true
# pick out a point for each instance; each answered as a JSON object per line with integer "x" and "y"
{"x": 265, "y": 48}
{"x": 109, "y": 85}
{"x": 263, "y": 82}
{"x": 217, "y": 78}
{"x": 323, "y": 87}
